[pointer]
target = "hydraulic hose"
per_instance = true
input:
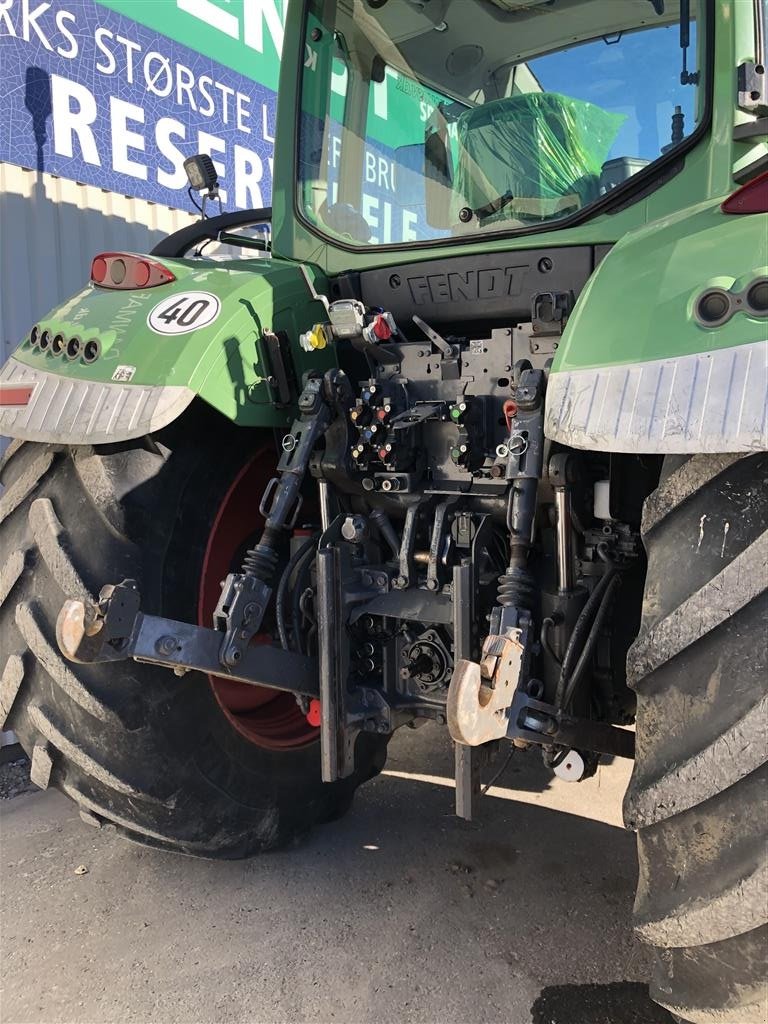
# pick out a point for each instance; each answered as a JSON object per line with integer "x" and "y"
{"x": 386, "y": 529}
{"x": 605, "y": 606}
{"x": 298, "y": 601}
{"x": 580, "y": 633}
{"x": 290, "y": 568}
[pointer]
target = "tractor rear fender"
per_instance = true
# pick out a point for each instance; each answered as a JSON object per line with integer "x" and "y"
{"x": 208, "y": 333}
{"x": 667, "y": 348}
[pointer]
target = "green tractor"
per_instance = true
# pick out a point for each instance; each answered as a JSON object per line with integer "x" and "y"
{"x": 474, "y": 433}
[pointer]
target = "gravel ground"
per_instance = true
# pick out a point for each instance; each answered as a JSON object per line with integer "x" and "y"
{"x": 14, "y": 779}
{"x": 398, "y": 914}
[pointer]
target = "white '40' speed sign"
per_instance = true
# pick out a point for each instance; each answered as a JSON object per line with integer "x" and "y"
{"x": 183, "y": 312}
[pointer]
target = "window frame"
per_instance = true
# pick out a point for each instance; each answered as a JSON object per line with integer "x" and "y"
{"x": 626, "y": 194}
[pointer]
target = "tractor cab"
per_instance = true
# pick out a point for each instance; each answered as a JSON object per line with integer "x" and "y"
{"x": 475, "y": 436}
{"x": 421, "y": 123}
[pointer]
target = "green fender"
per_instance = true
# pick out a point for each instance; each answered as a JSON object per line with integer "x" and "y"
{"x": 639, "y": 370}
{"x": 143, "y": 379}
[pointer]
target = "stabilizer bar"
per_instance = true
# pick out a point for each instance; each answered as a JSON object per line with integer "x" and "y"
{"x": 537, "y": 722}
{"x": 116, "y": 630}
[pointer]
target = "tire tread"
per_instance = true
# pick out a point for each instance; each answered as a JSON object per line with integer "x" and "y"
{"x": 134, "y": 746}
{"x": 52, "y": 542}
{"x": 10, "y": 684}
{"x": 698, "y": 668}
{"x": 30, "y": 478}
{"x": 29, "y": 620}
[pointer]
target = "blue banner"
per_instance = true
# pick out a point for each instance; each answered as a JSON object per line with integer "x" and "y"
{"x": 93, "y": 96}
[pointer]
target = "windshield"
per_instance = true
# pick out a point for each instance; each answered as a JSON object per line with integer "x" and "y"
{"x": 430, "y": 119}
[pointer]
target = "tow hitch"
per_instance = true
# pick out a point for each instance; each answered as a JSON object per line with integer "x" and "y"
{"x": 493, "y": 699}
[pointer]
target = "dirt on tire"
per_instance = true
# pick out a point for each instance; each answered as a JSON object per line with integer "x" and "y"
{"x": 697, "y": 797}
{"x": 133, "y": 745}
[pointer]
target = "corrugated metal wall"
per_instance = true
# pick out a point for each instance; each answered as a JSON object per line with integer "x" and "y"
{"x": 50, "y": 229}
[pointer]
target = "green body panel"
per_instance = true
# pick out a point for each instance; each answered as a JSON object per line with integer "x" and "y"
{"x": 224, "y": 363}
{"x": 639, "y": 303}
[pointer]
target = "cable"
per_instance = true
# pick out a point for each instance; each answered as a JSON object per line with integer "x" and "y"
{"x": 293, "y": 563}
{"x": 557, "y": 756}
{"x": 203, "y": 246}
{"x": 194, "y": 201}
{"x": 546, "y": 625}
{"x": 307, "y": 596}
{"x": 299, "y": 589}
{"x": 499, "y": 773}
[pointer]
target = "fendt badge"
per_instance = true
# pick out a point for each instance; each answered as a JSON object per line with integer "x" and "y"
{"x": 492, "y": 283}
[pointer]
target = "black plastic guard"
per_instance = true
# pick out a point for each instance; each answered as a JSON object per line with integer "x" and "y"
{"x": 485, "y": 288}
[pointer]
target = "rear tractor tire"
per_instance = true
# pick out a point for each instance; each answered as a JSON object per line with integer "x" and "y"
{"x": 698, "y": 792}
{"x": 197, "y": 765}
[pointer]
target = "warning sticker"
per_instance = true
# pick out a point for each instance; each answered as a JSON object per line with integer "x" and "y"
{"x": 124, "y": 374}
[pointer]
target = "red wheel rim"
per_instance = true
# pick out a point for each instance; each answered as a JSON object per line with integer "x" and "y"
{"x": 266, "y": 717}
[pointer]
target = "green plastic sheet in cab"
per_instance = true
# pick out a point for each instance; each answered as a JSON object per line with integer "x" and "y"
{"x": 544, "y": 149}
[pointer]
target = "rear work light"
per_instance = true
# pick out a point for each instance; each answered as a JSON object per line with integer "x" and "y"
{"x": 750, "y": 198}
{"x": 125, "y": 271}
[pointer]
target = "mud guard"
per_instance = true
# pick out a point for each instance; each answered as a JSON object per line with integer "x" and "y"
{"x": 226, "y": 332}
{"x": 641, "y": 370}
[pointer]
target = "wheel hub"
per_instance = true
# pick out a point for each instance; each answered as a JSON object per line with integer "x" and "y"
{"x": 266, "y": 717}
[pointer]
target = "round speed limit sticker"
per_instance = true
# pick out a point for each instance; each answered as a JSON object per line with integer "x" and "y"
{"x": 184, "y": 312}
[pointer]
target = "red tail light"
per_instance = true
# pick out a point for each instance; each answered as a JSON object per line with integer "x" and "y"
{"x": 750, "y": 198}
{"x": 125, "y": 271}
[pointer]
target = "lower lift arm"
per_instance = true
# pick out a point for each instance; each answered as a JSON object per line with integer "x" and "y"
{"x": 116, "y": 629}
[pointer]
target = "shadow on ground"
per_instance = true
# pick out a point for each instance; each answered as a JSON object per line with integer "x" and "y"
{"x": 621, "y": 1002}
{"x": 399, "y": 913}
